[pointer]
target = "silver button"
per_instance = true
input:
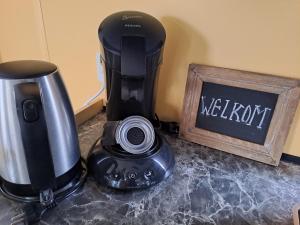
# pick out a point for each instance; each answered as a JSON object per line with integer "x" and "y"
{"x": 148, "y": 174}
{"x": 116, "y": 176}
{"x": 132, "y": 175}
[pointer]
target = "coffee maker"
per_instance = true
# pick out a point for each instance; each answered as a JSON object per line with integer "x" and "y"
{"x": 132, "y": 153}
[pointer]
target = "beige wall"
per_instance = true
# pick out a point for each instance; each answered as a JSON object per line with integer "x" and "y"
{"x": 21, "y": 31}
{"x": 23, "y": 36}
{"x": 71, "y": 32}
{"x": 255, "y": 35}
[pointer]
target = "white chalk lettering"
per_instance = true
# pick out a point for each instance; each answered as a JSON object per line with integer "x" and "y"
{"x": 246, "y": 111}
{"x": 256, "y": 110}
{"x": 250, "y": 115}
{"x": 215, "y": 107}
{"x": 235, "y": 111}
{"x": 263, "y": 117}
{"x": 224, "y": 110}
{"x": 204, "y": 109}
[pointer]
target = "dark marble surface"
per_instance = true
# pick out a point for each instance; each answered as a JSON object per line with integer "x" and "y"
{"x": 207, "y": 187}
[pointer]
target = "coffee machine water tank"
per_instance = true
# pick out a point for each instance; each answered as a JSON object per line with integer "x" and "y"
{"x": 132, "y": 46}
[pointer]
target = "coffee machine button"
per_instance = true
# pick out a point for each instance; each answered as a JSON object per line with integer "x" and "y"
{"x": 116, "y": 176}
{"x": 30, "y": 110}
{"x": 132, "y": 175}
{"x": 148, "y": 174}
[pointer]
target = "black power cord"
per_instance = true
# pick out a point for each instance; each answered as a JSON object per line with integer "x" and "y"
{"x": 169, "y": 127}
{"x": 33, "y": 210}
{"x": 32, "y": 214}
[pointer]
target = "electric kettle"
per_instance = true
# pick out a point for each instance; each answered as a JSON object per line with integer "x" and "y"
{"x": 39, "y": 149}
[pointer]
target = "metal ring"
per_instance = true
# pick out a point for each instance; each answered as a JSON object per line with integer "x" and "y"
{"x": 138, "y": 122}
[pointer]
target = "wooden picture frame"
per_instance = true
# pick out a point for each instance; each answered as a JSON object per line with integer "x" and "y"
{"x": 288, "y": 91}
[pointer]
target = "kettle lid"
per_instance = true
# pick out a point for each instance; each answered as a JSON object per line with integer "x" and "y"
{"x": 26, "y": 69}
{"x": 131, "y": 24}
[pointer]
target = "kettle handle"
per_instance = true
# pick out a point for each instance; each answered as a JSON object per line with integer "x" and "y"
{"x": 34, "y": 136}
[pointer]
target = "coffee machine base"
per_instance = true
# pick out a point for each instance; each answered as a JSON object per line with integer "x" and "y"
{"x": 115, "y": 168}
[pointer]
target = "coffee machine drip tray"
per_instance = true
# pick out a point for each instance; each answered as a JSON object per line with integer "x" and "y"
{"x": 113, "y": 167}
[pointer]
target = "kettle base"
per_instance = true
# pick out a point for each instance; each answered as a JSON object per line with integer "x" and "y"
{"x": 116, "y": 169}
{"x": 66, "y": 185}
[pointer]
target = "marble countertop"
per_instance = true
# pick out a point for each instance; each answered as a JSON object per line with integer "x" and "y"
{"x": 207, "y": 187}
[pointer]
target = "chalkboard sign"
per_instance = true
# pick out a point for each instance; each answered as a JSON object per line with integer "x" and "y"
{"x": 237, "y": 112}
{"x": 243, "y": 113}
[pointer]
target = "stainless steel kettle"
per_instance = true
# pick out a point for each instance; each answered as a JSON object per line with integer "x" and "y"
{"x": 39, "y": 149}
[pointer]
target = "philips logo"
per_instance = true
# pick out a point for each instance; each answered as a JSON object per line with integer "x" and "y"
{"x": 126, "y": 17}
{"x": 133, "y": 25}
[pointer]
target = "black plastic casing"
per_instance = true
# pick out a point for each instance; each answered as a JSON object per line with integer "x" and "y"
{"x": 125, "y": 171}
{"x": 133, "y": 47}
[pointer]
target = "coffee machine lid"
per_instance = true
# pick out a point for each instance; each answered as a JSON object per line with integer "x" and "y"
{"x": 26, "y": 69}
{"x": 131, "y": 24}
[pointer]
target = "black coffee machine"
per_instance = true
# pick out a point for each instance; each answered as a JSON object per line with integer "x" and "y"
{"x": 131, "y": 153}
